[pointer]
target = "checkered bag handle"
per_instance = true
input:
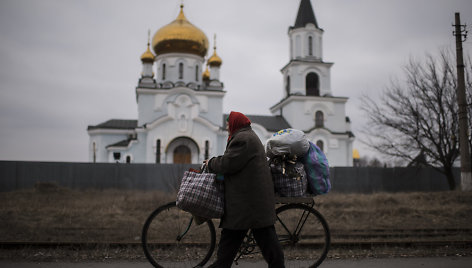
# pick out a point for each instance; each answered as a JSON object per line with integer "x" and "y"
{"x": 204, "y": 168}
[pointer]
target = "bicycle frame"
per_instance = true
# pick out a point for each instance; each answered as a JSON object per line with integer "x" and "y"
{"x": 179, "y": 237}
{"x": 249, "y": 244}
{"x": 301, "y": 222}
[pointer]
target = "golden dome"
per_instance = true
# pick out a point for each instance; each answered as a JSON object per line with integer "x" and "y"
{"x": 147, "y": 55}
{"x": 355, "y": 154}
{"x": 206, "y": 74}
{"x": 215, "y": 60}
{"x": 180, "y": 36}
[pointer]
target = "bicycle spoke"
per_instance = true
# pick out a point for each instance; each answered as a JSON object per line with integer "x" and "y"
{"x": 169, "y": 236}
{"x": 301, "y": 226}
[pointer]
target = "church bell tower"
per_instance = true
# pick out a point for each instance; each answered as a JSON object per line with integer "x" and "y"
{"x": 308, "y": 103}
{"x": 306, "y": 73}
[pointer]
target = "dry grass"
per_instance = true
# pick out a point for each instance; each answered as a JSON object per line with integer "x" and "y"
{"x": 64, "y": 215}
{"x": 434, "y": 210}
{"x": 51, "y": 213}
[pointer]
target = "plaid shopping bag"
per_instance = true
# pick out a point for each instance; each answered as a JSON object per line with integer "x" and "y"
{"x": 287, "y": 184}
{"x": 201, "y": 194}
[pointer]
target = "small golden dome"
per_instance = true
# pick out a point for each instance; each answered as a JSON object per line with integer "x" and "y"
{"x": 215, "y": 60}
{"x": 206, "y": 74}
{"x": 180, "y": 36}
{"x": 147, "y": 55}
{"x": 355, "y": 154}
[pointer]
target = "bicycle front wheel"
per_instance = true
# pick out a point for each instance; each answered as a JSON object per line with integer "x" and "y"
{"x": 171, "y": 238}
{"x": 302, "y": 228}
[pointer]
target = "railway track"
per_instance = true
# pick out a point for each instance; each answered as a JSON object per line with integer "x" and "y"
{"x": 339, "y": 238}
{"x": 334, "y": 244}
{"x": 395, "y": 234}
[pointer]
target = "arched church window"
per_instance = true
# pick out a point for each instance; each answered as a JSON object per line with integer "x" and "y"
{"x": 196, "y": 73}
{"x": 163, "y": 71}
{"x": 297, "y": 46}
{"x": 318, "y": 48}
{"x": 94, "y": 149}
{"x": 181, "y": 70}
{"x": 320, "y": 144}
{"x": 310, "y": 46}
{"x": 207, "y": 149}
{"x": 128, "y": 159}
{"x": 158, "y": 151}
{"x": 319, "y": 119}
{"x": 117, "y": 156}
{"x": 312, "y": 82}
{"x": 182, "y": 155}
{"x": 291, "y": 49}
{"x": 287, "y": 86}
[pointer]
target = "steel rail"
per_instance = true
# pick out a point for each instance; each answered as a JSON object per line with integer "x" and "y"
{"x": 339, "y": 243}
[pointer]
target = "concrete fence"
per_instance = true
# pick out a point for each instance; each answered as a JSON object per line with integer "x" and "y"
{"x": 15, "y": 175}
{"x": 400, "y": 179}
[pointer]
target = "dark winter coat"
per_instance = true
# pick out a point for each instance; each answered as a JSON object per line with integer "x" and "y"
{"x": 249, "y": 191}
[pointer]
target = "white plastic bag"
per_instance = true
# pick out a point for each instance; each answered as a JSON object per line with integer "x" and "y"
{"x": 289, "y": 141}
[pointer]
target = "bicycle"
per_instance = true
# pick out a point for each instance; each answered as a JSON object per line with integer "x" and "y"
{"x": 170, "y": 235}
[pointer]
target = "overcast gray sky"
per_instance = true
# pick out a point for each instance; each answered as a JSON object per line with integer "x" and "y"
{"x": 67, "y": 64}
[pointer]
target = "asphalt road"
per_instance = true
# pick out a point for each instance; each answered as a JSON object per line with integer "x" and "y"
{"x": 430, "y": 262}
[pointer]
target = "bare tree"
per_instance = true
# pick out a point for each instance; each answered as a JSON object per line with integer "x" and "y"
{"x": 371, "y": 162}
{"x": 416, "y": 120}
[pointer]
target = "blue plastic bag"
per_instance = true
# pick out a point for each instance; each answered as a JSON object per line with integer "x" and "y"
{"x": 317, "y": 170}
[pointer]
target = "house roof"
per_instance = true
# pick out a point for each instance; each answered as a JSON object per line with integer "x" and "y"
{"x": 123, "y": 143}
{"x": 116, "y": 124}
{"x": 269, "y": 122}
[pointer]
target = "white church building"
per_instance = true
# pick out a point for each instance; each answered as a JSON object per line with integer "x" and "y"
{"x": 180, "y": 101}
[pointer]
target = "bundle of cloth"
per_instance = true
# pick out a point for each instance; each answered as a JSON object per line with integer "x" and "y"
{"x": 298, "y": 166}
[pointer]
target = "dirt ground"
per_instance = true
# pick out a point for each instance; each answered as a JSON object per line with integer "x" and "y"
{"x": 49, "y": 213}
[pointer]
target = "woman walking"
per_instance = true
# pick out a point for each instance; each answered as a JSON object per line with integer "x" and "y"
{"x": 249, "y": 195}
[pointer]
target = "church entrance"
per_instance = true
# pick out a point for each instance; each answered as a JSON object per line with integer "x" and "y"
{"x": 182, "y": 155}
{"x": 182, "y": 150}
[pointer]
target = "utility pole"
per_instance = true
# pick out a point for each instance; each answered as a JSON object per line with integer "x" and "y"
{"x": 466, "y": 179}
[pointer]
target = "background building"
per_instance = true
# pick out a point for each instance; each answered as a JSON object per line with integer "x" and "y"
{"x": 180, "y": 106}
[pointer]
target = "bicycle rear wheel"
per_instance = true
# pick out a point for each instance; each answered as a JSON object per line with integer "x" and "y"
{"x": 300, "y": 227}
{"x": 171, "y": 238}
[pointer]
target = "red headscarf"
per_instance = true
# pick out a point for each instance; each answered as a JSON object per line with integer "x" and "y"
{"x": 237, "y": 121}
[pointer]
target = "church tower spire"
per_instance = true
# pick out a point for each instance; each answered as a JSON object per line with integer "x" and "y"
{"x": 306, "y": 73}
{"x": 307, "y": 77}
{"x": 147, "y": 58}
{"x": 305, "y": 15}
{"x": 306, "y": 37}
{"x": 214, "y": 62}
